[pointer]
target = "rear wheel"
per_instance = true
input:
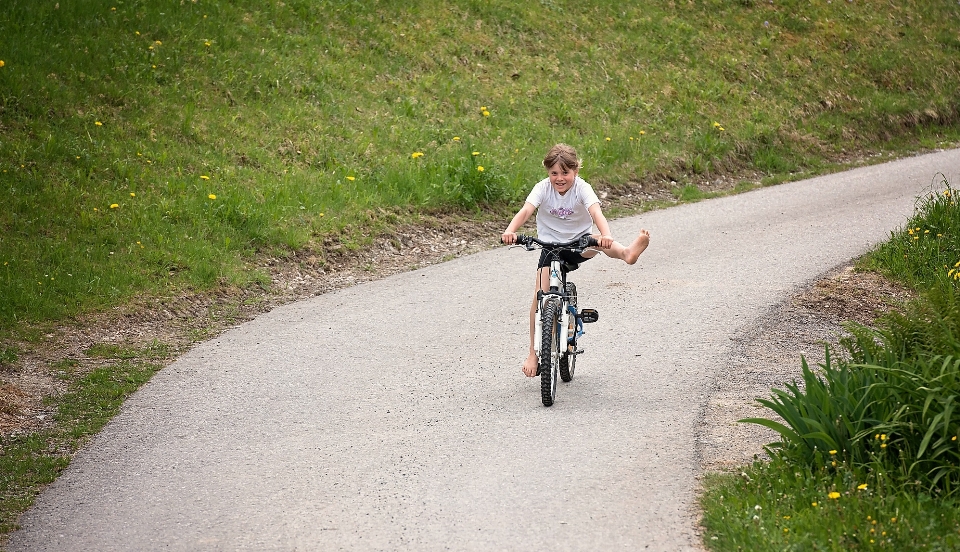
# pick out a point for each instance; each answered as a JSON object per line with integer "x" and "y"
{"x": 549, "y": 350}
{"x": 568, "y": 360}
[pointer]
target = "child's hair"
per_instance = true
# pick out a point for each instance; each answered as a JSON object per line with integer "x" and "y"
{"x": 563, "y": 154}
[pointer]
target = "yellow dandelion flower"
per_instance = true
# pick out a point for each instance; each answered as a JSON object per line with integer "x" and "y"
{"x": 926, "y": 231}
{"x": 113, "y": 9}
{"x": 136, "y": 33}
{"x": 350, "y": 178}
{"x": 456, "y": 138}
{"x": 98, "y": 123}
{"x": 114, "y": 205}
{"x": 832, "y": 452}
{"x": 321, "y": 214}
{"x": 893, "y": 520}
{"x": 834, "y": 495}
{"x": 158, "y": 43}
{"x": 716, "y": 124}
{"x": 212, "y": 196}
{"x": 721, "y": 129}
{"x": 2, "y": 63}
{"x": 483, "y": 108}
{"x": 479, "y": 168}
{"x": 132, "y": 194}
{"x": 883, "y": 436}
{"x": 206, "y": 44}
{"x": 486, "y": 113}
{"x": 607, "y": 138}
{"x": 883, "y": 445}
{"x": 631, "y": 138}
{"x": 954, "y": 438}
{"x": 642, "y": 132}
{"x": 150, "y": 48}
{"x": 862, "y": 487}
{"x": 95, "y": 209}
{"x": 416, "y": 154}
{"x": 204, "y": 177}
{"x": 476, "y": 153}
{"x": 814, "y": 504}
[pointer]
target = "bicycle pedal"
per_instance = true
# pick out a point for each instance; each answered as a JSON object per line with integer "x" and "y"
{"x": 589, "y": 315}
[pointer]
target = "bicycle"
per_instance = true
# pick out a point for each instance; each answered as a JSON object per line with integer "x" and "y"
{"x": 558, "y": 323}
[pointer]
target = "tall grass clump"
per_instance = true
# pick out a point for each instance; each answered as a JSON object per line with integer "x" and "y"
{"x": 888, "y": 404}
{"x": 869, "y": 449}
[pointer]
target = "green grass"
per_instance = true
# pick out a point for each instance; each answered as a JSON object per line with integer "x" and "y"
{"x": 783, "y": 506}
{"x": 302, "y": 117}
{"x": 876, "y": 425}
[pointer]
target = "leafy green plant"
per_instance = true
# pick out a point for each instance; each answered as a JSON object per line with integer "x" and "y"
{"x": 889, "y": 403}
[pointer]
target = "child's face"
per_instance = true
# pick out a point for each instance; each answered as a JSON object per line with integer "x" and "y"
{"x": 561, "y": 178}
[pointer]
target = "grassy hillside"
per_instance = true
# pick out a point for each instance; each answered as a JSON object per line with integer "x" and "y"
{"x": 152, "y": 145}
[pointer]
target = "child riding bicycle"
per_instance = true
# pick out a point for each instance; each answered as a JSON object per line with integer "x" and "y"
{"x": 566, "y": 208}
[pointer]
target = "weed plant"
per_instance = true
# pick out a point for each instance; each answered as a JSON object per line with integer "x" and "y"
{"x": 874, "y": 431}
{"x": 150, "y": 146}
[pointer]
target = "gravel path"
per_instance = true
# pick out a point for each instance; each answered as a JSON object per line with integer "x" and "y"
{"x": 393, "y": 416}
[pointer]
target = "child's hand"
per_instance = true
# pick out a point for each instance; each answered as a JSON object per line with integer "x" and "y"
{"x": 508, "y": 238}
{"x": 605, "y": 241}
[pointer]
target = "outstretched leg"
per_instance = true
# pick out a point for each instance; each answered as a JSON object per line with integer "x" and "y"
{"x": 629, "y": 253}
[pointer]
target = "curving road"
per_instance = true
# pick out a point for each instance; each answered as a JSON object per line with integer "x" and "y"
{"x": 393, "y": 415}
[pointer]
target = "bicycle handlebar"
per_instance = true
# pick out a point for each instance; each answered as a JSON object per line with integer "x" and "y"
{"x": 576, "y": 245}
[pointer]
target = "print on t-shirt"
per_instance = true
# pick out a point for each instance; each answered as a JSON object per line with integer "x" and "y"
{"x": 561, "y": 212}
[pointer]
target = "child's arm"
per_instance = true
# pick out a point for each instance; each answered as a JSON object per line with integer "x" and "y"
{"x": 510, "y": 234}
{"x": 605, "y": 239}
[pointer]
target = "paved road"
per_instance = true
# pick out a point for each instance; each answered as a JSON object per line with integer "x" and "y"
{"x": 393, "y": 415}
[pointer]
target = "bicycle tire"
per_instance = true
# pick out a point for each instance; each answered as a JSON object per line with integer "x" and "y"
{"x": 549, "y": 350}
{"x": 568, "y": 361}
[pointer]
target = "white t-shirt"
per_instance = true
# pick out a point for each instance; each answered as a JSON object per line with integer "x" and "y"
{"x": 561, "y": 218}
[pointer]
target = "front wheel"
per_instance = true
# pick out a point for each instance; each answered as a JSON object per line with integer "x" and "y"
{"x": 549, "y": 349}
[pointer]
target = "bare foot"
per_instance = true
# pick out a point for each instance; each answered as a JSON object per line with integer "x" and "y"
{"x": 530, "y": 365}
{"x": 634, "y": 250}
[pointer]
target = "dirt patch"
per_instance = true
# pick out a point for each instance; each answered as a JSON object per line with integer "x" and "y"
{"x": 769, "y": 354}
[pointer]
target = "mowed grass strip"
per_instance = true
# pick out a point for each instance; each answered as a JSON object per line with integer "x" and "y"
{"x": 151, "y": 146}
